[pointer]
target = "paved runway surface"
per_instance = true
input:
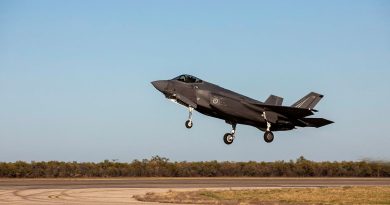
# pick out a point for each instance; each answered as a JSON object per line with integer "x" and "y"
{"x": 121, "y": 190}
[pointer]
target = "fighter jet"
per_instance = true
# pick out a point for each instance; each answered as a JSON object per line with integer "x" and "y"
{"x": 215, "y": 101}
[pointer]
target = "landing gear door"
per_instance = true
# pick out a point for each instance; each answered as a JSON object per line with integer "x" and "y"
{"x": 270, "y": 116}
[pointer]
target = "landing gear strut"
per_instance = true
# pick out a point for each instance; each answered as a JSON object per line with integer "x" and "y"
{"x": 268, "y": 135}
{"x": 189, "y": 123}
{"x": 228, "y": 138}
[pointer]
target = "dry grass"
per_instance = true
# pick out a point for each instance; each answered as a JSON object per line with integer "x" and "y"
{"x": 339, "y": 195}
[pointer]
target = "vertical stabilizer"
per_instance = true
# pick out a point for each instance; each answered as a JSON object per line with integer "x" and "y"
{"x": 274, "y": 100}
{"x": 309, "y": 101}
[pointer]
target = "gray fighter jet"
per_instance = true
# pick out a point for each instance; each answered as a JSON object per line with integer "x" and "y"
{"x": 218, "y": 102}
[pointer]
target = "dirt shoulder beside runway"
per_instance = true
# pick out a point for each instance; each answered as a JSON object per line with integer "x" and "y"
{"x": 322, "y": 195}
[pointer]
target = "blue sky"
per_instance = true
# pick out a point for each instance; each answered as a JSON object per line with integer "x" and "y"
{"x": 75, "y": 77}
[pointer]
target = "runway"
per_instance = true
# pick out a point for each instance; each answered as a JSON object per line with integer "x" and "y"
{"x": 121, "y": 190}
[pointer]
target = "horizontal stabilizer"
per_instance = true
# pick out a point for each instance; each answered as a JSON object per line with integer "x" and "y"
{"x": 274, "y": 100}
{"x": 316, "y": 122}
{"x": 309, "y": 101}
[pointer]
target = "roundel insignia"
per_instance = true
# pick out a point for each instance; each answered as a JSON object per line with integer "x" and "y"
{"x": 215, "y": 101}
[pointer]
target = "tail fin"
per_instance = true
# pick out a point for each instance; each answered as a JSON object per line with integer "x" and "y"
{"x": 274, "y": 100}
{"x": 316, "y": 122}
{"x": 309, "y": 101}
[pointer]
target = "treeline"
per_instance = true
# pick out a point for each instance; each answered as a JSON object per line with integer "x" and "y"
{"x": 162, "y": 167}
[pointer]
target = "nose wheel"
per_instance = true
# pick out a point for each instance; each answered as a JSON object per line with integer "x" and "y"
{"x": 189, "y": 122}
{"x": 228, "y": 138}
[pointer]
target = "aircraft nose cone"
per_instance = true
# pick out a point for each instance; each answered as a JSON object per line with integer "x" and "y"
{"x": 160, "y": 85}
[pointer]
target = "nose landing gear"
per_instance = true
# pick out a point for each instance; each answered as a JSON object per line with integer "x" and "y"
{"x": 189, "y": 122}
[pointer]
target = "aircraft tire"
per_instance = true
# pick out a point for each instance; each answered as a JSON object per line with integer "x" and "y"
{"x": 228, "y": 138}
{"x": 268, "y": 137}
{"x": 189, "y": 124}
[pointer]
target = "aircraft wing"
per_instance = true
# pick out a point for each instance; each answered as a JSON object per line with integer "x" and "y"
{"x": 292, "y": 112}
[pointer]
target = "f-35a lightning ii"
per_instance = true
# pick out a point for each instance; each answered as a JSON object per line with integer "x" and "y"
{"x": 218, "y": 102}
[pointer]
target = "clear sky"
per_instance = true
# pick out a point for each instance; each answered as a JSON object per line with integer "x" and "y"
{"x": 75, "y": 77}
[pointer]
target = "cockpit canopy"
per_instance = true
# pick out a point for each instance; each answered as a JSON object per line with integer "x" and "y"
{"x": 188, "y": 79}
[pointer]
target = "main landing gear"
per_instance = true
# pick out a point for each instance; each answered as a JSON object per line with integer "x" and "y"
{"x": 268, "y": 135}
{"x": 189, "y": 122}
{"x": 228, "y": 138}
